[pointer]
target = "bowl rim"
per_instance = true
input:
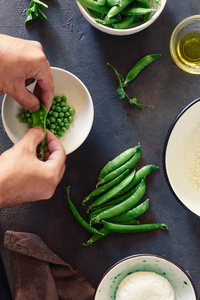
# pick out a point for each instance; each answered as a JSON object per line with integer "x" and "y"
{"x": 127, "y": 31}
{"x": 149, "y": 255}
{"x": 184, "y": 67}
{"x": 169, "y": 132}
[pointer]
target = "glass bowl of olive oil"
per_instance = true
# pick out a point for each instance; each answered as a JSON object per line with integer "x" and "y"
{"x": 185, "y": 45}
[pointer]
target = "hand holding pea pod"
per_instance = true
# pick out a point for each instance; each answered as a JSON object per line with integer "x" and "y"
{"x": 140, "y": 65}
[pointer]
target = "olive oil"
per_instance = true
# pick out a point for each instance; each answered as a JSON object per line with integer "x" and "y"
{"x": 188, "y": 49}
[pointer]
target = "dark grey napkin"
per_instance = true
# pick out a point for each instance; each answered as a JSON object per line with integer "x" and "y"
{"x": 42, "y": 275}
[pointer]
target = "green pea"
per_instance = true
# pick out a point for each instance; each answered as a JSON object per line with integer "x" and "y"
{"x": 58, "y": 108}
{"x": 27, "y": 114}
{"x": 64, "y": 109}
{"x": 63, "y": 98}
{"x": 55, "y": 114}
{"x": 54, "y": 102}
{"x": 52, "y": 120}
{"x": 24, "y": 110}
{"x": 52, "y": 126}
{"x": 53, "y": 107}
{"x": 67, "y": 114}
{"x": 47, "y": 121}
{"x": 61, "y": 114}
{"x": 21, "y": 116}
{"x": 52, "y": 131}
{"x": 67, "y": 125}
{"x": 29, "y": 120}
{"x": 63, "y": 129}
{"x": 72, "y": 111}
{"x": 60, "y": 133}
{"x": 62, "y": 124}
{"x": 70, "y": 119}
{"x": 57, "y": 127}
{"x": 58, "y": 99}
{"x": 59, "y": 121}
{"x": 23, "y": 120}
{"x": 62, "y": 104}
{"x": 65, "y": 120}
{"x": 50, "y": 113}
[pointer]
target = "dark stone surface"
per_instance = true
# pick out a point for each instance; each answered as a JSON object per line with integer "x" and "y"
{"x": 70, "y": 42}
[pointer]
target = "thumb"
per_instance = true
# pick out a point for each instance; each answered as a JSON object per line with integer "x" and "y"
{"x": 32, "y": 138}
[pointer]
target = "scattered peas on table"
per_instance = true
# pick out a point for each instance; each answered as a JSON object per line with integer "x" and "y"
{"x": 58, "y": 119}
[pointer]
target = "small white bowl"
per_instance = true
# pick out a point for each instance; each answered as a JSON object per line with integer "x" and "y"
{"x": 135, "y": 28}
{"x": 78, "y": 97}
{"x": 178, "y": 278}
{"x": 180, "y": 158}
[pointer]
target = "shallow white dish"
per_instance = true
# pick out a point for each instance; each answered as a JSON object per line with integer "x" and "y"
{"x": 179, "y": 279}
{"x": 78, "y": 96}
{"x": 179, "y": 155}
{"x": 110, "y": 30}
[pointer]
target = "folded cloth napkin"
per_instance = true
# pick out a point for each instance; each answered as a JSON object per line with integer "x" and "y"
{"x": 42, "y": 275}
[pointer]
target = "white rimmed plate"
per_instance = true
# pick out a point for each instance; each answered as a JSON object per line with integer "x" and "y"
{"x": 180, "y": 159}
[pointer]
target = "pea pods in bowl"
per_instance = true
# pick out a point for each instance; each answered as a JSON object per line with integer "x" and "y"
{"x": 119, "y": 17}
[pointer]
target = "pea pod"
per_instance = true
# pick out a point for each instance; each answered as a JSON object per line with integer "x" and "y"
{"x": 94, "y": 5}
{"x": 136, "y": 11}
{"x": 126, "y": 23}
{"x": 96, "y": 237}
{"x": 114, "y": 10}
{"x": 146, "y": 4}
{"x": 118, "y": 161}
{"x": 104, "y": 188}
{"x": 98, "y": 210}
{"x": 132, "y": 213}
{"x": 108, "y": 21}
{"x": 123, "y": 206}
{"x": 78, "y": 217}
{"x": 113, "y": 2}
{"x": 121, "y": 228}
{"x": 111, "y": 193}
{"x": 141, "y": 173}
{"x": 145, "y": 61}
{"x": 39, "y": 119}
{"x": 128, "y": 165}
{"x": 101, "y": 2}
{"x": 118, "y": 199}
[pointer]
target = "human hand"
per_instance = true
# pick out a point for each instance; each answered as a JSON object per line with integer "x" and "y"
{"x": 24, "y": 177}
{"x": 22, "y": 62}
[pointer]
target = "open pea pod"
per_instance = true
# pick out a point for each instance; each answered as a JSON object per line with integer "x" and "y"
{"x": 39, "y": 119}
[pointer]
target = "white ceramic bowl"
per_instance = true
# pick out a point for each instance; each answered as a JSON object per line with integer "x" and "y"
{"x": 179, "y": 279}
{"x": 180, "y": 158}
{"x": 136, "y": 28}
{"x": 66, "y": 84}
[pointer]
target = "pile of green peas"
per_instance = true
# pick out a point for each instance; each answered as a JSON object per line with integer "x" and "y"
{"x": 59, "y": 117}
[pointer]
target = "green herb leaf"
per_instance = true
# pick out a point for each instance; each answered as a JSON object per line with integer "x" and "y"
{"x": 34, "y": 11}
